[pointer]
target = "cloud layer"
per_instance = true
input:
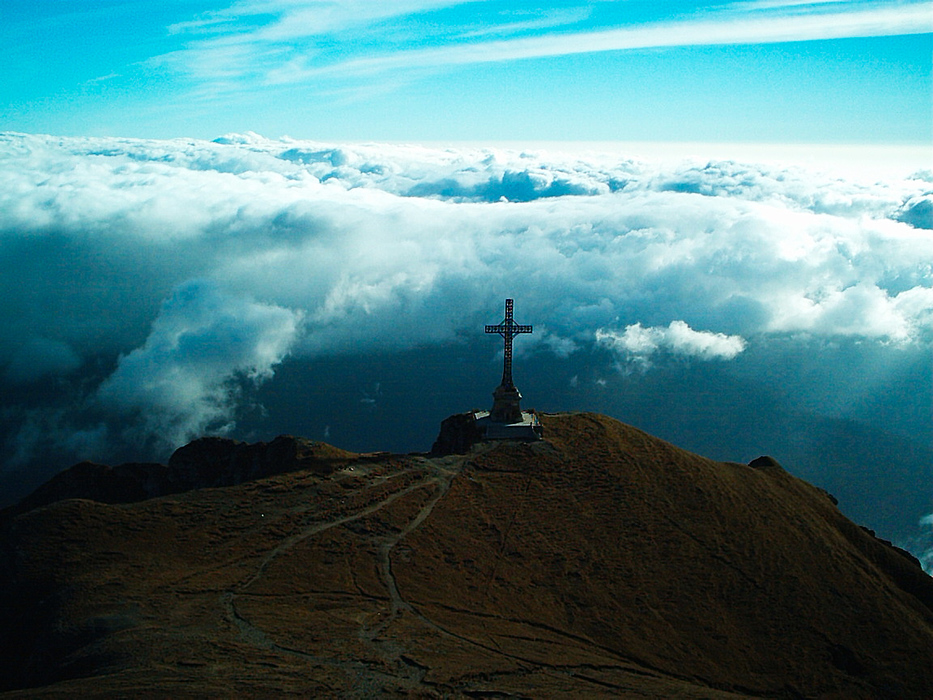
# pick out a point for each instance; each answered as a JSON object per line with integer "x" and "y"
{"x": 150, "y": 287}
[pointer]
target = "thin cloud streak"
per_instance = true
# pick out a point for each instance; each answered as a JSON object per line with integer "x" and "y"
{"x": 549, "y": 20}
{"x": 288, "y": 49}
{"x": 781, "y": 4}
{"x": 836, "y": 25}
{"x": 310, "y": 17}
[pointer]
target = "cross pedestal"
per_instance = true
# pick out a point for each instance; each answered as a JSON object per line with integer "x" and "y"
{"x": 506, "y": 407}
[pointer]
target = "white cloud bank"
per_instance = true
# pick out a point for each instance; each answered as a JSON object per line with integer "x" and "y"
{"x": 179, "y": 380}
{"x": 382, "y": 246}
{"x": 637, "y": 343}
{"x": 147, "y": 287}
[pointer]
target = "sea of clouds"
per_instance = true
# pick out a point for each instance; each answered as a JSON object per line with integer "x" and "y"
{"x": 154, "y": 291}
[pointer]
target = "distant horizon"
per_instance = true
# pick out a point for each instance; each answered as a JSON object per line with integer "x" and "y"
{"x": 915, "y": 154}
{"x": 886, "y": 159}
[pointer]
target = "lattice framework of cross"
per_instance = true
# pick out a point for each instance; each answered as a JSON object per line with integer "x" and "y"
{"x": 508, "y": 329}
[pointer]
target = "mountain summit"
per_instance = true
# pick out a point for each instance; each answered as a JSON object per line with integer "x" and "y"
{"x": 598, "y": 562}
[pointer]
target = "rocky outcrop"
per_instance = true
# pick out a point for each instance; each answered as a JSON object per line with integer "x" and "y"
{"x": 458, "y": 434}
{"x": 204, "y": 463}
{"x": 214, "y": 462}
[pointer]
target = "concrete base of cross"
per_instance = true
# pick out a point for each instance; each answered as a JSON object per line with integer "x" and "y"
{"x": 506, "y": 407}
{"x": 527, "y": 427}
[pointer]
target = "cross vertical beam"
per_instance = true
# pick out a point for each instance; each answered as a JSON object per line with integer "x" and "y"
{"x": 508, "y": 329}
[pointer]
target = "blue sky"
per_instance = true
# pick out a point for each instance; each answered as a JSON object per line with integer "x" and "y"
{"x": 441, "y": 70}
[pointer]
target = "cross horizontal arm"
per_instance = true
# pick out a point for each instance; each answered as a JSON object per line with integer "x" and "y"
{"x": 512, "y": 329}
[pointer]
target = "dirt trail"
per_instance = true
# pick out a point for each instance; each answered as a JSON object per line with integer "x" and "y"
{"x": 442, "y": 479}
{"x": 396, "y": 664}
{"x": 319, "y": 527}
{"x": 438, "y": 473}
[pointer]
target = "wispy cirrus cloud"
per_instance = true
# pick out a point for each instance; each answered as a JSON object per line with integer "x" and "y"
{"x": 288, "y": 19}
{"x": 277, "y": 42}
{"x": 530, "y": 22}
{"x": 727, "y": 29}
{"x": 783, "y": 4}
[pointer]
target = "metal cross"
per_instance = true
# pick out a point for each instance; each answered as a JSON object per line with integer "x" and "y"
{"x": 508, "y": 329}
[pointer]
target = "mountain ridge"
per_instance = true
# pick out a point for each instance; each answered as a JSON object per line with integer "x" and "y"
{"x": 601, "y": 561}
